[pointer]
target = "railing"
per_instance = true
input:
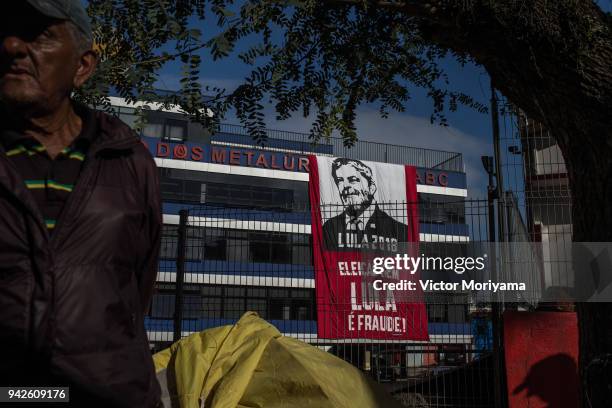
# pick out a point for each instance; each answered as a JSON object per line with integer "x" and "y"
{"x": 362, "y": 150}
{"x": 301, "y": 143}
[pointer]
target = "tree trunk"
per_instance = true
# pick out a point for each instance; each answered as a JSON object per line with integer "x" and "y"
{"x": 590, "y": 173}
{"x": 553, "y": 59}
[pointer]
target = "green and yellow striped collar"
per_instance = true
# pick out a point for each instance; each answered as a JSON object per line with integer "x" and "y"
{"x": 52, "y": 184}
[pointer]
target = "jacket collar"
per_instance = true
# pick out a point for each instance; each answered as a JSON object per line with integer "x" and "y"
{"x": 113, "y": 134}
{"x": 109, "y": 134}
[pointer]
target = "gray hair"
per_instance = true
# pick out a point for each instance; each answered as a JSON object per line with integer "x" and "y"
{"x": 361, "y": 168}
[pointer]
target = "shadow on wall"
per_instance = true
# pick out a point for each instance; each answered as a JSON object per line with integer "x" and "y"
{"x": 554, "y": 380}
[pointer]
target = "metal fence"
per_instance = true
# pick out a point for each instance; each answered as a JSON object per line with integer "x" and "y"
{"x": 217, "y": 263}
{"x": 361, "y": 150}
{"x": 537, "y": 193}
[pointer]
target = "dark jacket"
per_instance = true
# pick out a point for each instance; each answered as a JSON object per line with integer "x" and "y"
{"x": 381, "y": 233}
{"x": 72, "y": 304}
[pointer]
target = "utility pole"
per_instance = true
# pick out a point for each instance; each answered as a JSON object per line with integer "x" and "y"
{"x": 498, "y": 165}
{"x": 496, "y": 192}
{"x": 498, "y": 366}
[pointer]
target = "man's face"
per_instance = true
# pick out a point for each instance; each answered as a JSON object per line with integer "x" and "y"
{"x": 355, "y": 190}
{"x": 39, "y": 64}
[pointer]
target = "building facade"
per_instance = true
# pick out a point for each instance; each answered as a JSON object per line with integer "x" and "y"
{"x": 248, "y": 243}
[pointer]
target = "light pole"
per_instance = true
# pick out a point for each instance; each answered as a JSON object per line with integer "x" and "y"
{"x": 496, "y": 317}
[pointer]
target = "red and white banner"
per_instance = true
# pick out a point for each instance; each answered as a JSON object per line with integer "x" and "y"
{"x": 362, "y": 210}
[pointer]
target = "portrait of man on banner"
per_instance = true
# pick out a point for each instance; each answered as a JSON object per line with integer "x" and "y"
{"x": 364, "y": 221}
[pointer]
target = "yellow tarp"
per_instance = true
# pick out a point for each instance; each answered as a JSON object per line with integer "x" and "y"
{"x": 252, "y": 365}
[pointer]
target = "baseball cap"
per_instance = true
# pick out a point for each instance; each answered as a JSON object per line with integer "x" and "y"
{"x": 71, "y": 10}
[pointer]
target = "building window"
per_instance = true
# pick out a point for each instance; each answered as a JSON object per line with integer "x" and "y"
{"x": 302, "y": 304}
{"x": 257, "y": 301}
{"x": 165, "y": 126}
{"x": 193, "y": 307}
{"x": 233, "y": 308}
{"x": 169, "y": 242}
{"x": 163, "y": 302}
{"x": 217, "y": 244}
{"x": 440, "y": 209}
{"x": 248, "y": 196}
{"x": 155, "y": 130}
{"x": 176, "y": 130}
{"x": 214, "y": 244}
{"x": 280, "y": 304}
{"x": 269, "y": 248}
{"x": 291, "y": 304}
{"x": 301, "y": 249}
{"x": 212, "y": 301}
{"x": 436, "y": 313}
{"x": 162, "y": 305}
{"x": 189, "y": 186}
{"x": 231, "y": 302}
{"x": 236, "y": 245}
{"x": 451, "y": 308}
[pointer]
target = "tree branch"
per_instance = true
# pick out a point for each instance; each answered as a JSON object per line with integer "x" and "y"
{"x": 420, "y": 10}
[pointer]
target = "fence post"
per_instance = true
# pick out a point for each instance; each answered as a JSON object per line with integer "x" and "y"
{"x": 496, "y": 193}
{"x": 180, "y": 274}
{"x": 495, "y": 306}
{"x": 499, "y": 176}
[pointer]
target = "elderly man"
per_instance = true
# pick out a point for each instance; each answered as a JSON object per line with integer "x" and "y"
{"x": 80, "y": 220}
{"x": 362, "y": 224}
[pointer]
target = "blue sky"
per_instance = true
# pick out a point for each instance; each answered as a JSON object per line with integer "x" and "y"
{"x": 469, "y": 132}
